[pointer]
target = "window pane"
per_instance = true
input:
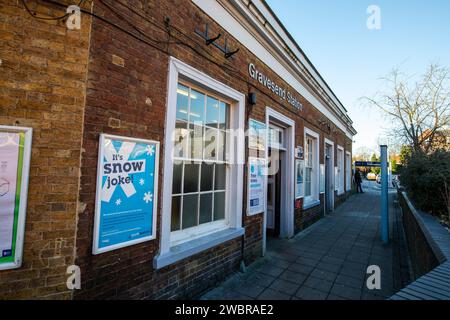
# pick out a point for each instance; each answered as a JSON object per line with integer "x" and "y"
{"x": 197, "y": 109}
{"x": 210, "y": 144}
{"x": 307, "y": 189}
{"x": 222, "y": 146}
{"x": 191, "y": 175}
{"x": 181, "y": 139}
{"x": 212, "y": 112}
{"x": 205, "y": 208}
{"x": 182, "y": 102}
{"x": 190, "y": 206}
{"x": 224, "y": 116}
{"x": 207, "y": 177}
{"x": 177, "y": 176}
{"x": 175, "y": 221}
{"x": 220, "y": 177}
{"x": 196, "y": 134}
{"x": 219, "y": 206}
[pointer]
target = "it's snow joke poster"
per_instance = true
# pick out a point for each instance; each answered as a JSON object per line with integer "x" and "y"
{"x": 126, "y": 199}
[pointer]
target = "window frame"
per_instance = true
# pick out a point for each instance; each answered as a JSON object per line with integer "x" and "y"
{"x": 348, "y": 171}
{"x": 314, "y": 199}
{"x": 181, "y": 235}
{"x": 194, "y": 242}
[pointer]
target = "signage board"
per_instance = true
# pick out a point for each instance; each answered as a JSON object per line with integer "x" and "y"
{"x": 256, "y": 135}
{"x": 127, "y": 192}
{"x": 299, "y": 166}
{"x": 256, "y": 185}
{"x": 15, "y": 151}
{"x": 367, "y": 164}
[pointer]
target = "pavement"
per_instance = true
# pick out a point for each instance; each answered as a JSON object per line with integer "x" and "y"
{"x": 329, "y": 260}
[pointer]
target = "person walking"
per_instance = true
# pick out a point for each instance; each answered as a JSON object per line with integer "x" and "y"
{"x": 358, "y": 181}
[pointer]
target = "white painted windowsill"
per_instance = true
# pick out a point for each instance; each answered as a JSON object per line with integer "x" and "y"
{"x": 311, "y": 204}
{"x": 187, "y": 249}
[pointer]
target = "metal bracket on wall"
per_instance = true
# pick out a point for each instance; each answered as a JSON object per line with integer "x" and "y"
{"x": 208, "y": 41}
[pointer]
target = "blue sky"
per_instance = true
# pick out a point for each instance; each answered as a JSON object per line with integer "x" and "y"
{"x": 352, "y": 59}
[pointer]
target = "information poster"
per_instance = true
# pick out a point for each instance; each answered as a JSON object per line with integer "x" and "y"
{"x": 15, "y": 150}
{"x": 298, "y": 178}
{"x": 322, "y": 179}
{"x": 256, "y": 185}
{"x": 11, "y": 157}
{"x": 257, "y": 135}
{"x": 126, "y": 192}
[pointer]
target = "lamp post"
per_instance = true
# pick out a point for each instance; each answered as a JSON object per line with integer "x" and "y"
{"x": 384, "y": 196}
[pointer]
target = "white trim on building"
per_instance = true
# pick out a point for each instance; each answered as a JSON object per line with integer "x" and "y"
{"x": 199, "y": 241}
{"x": 311, "y": 198}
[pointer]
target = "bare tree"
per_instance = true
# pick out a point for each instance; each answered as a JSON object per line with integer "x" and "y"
{"x": 418, "y": 110}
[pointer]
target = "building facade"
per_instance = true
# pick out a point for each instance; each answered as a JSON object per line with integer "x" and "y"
{"x": 219, "y": 87}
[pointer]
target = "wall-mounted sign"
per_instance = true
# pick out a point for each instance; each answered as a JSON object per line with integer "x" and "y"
{"x": 299, "y": 164}
{"x": 256, "y": 185}
{"x": 256, "y": 135}
{"x": 127, "y": 191}
{"x": 271, "y": 85}
{"x": 336, "y": 179}
{"x": 299, "y": 152}
{"x": 15, "y": 151}
{"x": 367, "y": 164}
{"x": 322, "y": 179}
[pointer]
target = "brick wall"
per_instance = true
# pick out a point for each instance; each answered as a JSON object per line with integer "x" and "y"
{"x": 126, "y": 92}
{"x": 42, "y": 85}
{"x": 116, "y": 104}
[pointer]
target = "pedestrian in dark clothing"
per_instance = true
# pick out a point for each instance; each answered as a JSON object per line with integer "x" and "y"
{"x": 358, "y": 181}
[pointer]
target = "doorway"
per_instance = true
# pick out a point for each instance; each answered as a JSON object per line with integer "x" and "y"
{"x": 329, "y": 176}
{"x": 274, "y": 193}
{"x": 278, "y": 220}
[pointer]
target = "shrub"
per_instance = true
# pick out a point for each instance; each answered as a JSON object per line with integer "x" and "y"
{"x": 426, "y": 178}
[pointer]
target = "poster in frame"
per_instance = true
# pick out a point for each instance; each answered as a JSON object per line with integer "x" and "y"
{"x": 299, "y": 168}
{"x": 127, "y": 192}
{"x": 15, "y": 155}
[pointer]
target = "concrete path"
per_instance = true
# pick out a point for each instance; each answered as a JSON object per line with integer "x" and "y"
{"x": 329, "y": 260}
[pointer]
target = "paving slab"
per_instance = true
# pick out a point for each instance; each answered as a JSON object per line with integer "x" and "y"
{"x": 328, "y": 260}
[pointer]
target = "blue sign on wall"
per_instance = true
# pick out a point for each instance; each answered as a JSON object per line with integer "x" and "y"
{"x": 127, "y": 186}
{"x": 367, "y": 164}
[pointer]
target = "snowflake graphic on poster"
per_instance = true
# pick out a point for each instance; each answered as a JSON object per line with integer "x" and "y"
{"x": 141, "y": 182}
{"x": 118, "y": 202}
{"x": 148, "y": 197}
{"x": 150, "y": 150}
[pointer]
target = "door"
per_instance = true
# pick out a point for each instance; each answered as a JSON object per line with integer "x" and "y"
{"x": 271, "y": 202}
{"x": 274, "y": 193}
{"x": 329, "y": 172}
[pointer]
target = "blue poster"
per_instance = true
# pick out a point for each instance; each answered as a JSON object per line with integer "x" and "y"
{"x": 126, "y": 208}
{"x": 256, "y": 185}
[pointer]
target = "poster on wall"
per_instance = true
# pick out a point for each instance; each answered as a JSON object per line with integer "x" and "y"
{"x": 256, "y": 185}
{"x": 299, "y": 178}
{"x": 322, "y": 179}
{"x": 127, "y": 191}
{"x": 256, "y": 135}
{"x": 15, "y": 150}
{"x": 336, "y": 179}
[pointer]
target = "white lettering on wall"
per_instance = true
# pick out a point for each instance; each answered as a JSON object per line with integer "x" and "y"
{"x": 271, "y": 85}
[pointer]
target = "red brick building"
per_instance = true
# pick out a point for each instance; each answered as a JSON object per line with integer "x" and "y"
{"x": 153, "y": 70}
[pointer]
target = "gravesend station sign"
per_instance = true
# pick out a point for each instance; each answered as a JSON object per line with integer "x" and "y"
{"x": 265, "y": 81}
